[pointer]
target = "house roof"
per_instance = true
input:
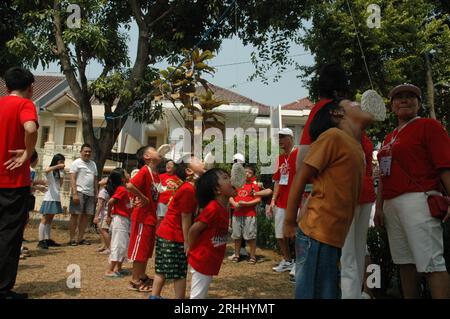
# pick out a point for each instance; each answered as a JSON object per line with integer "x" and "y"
{"x": 42, "y": 85}
{"x": 233, "y": 97}
{"x": 302, "y": 104}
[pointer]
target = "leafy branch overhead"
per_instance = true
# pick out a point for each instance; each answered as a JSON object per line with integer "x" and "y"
{"x": 183, "y": 87}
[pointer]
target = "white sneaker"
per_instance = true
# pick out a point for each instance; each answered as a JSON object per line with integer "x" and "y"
{"x": 243, "y": 252}
{"x": 283, "y": 266}
{"x": 232, "y": 256}
{"x": 365, "y": 295}
{"x": 292, "y": 272}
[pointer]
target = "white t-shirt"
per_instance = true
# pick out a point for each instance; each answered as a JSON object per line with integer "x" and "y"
{"x": 52, "y": 194}
{"x": 103, "y": 194}
{"x": 86, "y": 172}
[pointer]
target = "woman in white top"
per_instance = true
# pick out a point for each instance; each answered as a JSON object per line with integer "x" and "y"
{"x": 52, "y": 201}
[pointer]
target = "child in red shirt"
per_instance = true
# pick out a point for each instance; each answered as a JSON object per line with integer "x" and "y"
{"x": 244, "y": 216}
{"x": 143, "y": 218}
{"x": 207, "y": 237}
{"x": 171, "y": 235}
{"x": 119, "y": 211}
{"x": 169, "y": 184}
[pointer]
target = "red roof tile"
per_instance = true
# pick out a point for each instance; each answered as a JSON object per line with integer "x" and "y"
{"x": 42, "y": 85}
{"x": 232, "y": 97}
{"x": 302, "y": 104}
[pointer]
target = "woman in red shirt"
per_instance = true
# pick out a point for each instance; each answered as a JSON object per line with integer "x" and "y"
{"x": 414, "y": 159}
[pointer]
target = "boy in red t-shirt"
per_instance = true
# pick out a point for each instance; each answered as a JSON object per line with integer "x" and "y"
{"x": 208, "y": 235}
{"x": 244, "y": 215}
{"x": 143, "y": 218}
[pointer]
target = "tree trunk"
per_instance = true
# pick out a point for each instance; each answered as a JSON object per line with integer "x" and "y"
{"x": 430, "y": 86}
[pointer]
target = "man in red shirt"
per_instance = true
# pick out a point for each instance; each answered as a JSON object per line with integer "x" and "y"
{"x": 283, "y": 177}
{"x": 18, "y": 135}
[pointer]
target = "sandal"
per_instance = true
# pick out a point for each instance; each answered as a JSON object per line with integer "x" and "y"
{"x": 252, "y": 260}
{"x": 146, "y": 287}
{"x": 235, "y": 259}
{"x": 83, "y": 242}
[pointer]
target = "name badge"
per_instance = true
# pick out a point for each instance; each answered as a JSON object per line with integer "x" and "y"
{"x": 385, "y": 165}
{"x": 284, "y": 179}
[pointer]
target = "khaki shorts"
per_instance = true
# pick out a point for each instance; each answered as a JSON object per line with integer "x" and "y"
{"x": 414, "y": 236}
{"x": 86, "y": 205}
{"x": 244, "y": 227}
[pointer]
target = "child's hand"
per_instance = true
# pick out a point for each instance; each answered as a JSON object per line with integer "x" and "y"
{"x": 60, "y": 166}
{"x": 108, "y": 220}
{"x": 96, "y": 220}
{"x": 142, "y": 201}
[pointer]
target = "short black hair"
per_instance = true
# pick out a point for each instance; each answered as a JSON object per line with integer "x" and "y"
{"x": 207, "y": 185}
{"x": 141, "y": 151}
{"x": 85, "y": 145}
{"x": 18, "y": 79}
{"x": 324, "y": 119}
{"x": 34, "y": 156}
{"x": 181, "y": 165}
{"x": 250, "y": 167}
{"x": 333, "y": 82}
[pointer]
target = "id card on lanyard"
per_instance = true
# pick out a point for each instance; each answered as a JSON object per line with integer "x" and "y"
{"x": 386, "y": 160}
{"x": 284, "y": 178}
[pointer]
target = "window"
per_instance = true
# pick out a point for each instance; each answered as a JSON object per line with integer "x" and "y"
{"x": 44, "y": 135}
{"x": 70, "y": 133}
{"x": 151, "y": 141}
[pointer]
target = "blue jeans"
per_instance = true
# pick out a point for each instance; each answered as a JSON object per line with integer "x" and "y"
{"x": 317, "y": 274}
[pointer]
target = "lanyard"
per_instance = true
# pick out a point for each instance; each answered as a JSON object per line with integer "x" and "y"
{"x": 394, "y": 137}
{"x": 288, "y": 157}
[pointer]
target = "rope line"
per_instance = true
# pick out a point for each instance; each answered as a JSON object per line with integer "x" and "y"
{"x": 360, "y": 45}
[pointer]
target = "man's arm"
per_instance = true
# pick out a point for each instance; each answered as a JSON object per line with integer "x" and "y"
{"x": 264, "y": 193}
{"x": 21, "y": 156}
{"x": 445, "y": 177}
{"x": 302, "y": 151}
{"x": 73, "y": 186}
{"x": 295, "y": 196}
{"x": 276, "y": 190}
{"x": 96, "y": 185}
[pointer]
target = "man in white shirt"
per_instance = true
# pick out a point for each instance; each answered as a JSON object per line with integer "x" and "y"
{"x": 84, "y": 186}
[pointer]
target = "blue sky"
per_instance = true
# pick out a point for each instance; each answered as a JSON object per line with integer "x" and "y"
{"x": 288, "y": 89}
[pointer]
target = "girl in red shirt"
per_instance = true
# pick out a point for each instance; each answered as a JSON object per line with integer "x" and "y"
{"x": 119, "y": 211}
{"x": 208, "y": 235}
{"x": 171, "y": 235}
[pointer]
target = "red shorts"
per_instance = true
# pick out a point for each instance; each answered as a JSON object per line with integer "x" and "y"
{"x": 142, "y": 242}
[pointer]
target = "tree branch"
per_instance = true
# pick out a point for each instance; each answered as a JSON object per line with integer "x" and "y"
{"x": 162, "y": 16}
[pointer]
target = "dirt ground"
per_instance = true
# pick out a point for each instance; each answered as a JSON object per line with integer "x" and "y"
{"x": 44, "y": 274}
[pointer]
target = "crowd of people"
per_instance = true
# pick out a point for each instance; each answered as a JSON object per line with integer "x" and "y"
{"x": 321, "y": 201}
